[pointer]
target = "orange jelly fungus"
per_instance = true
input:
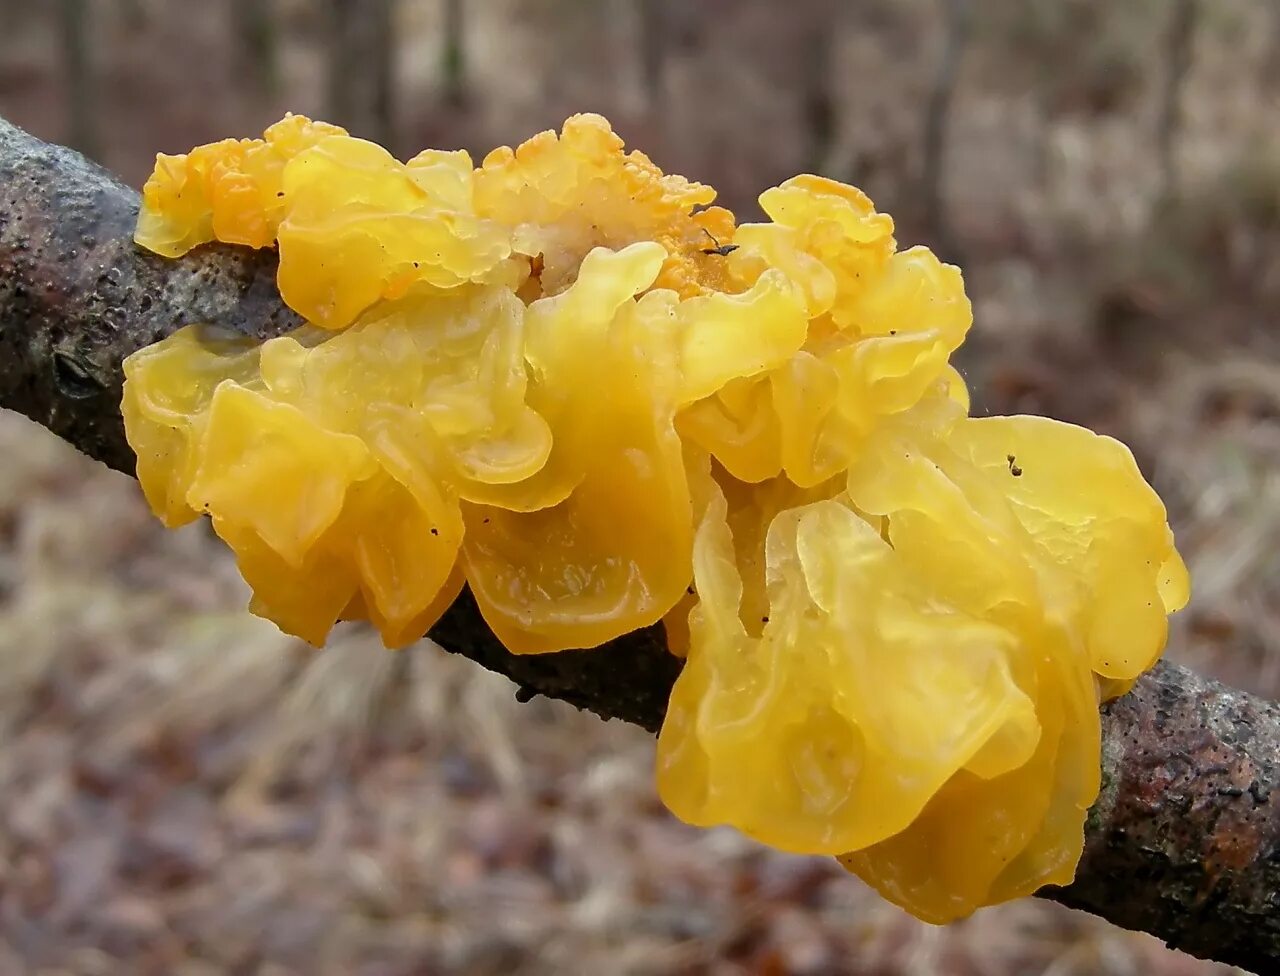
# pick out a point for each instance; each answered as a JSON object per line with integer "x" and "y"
{"x": 565, "y": 379}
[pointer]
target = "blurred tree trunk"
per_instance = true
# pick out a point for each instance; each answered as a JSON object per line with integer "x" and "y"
{"x": 135, "y": 13}
{"x": 453, "y": 54}
{"x": 1271, "y": 65}
{"x": 956, "y": 26}
{"x": 73, "y": 30}
{"x": 818, "y": 61}
{"x": 361, "y": 68}
{"x": 652, "y": 36}
{"x": 256, "y": 44}
{"x": 1180, "y": 40}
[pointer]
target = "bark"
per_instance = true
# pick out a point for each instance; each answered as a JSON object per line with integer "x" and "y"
{"x": 76, "y": 295}
{"x": 361, "y": 68}
{"x": 1184, "y": 841}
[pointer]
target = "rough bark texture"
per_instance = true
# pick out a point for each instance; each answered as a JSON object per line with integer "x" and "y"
{"x": 77, "y": 296}
{"x": 1184, "y": 841}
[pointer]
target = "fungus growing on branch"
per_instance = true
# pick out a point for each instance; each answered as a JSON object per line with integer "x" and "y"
{"x": 566, "y": 381}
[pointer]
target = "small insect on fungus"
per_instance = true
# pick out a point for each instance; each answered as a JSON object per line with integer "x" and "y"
{"x": 724, "y": 250}
{"x": 1013, "y": 466}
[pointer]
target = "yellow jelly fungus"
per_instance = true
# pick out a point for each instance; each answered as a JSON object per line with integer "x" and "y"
{"x": 563, "y": 195}
{"x": 566, "y": 381}
{"x": 932, "y": 631}
{"x": 361, "y": 226}
{"x": 229, "y": 191}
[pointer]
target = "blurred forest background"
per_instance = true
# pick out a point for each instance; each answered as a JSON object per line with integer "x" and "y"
{"x": 187, "y": 792}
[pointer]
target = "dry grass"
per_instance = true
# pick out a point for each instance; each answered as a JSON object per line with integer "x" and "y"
{"x": 189, "y": 793}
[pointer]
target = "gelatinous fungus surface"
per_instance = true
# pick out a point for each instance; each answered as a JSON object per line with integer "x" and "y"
{"x": 567, "y": 381}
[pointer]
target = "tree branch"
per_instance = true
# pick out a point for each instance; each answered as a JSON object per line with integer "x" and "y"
{"x": 1184, "y": 841}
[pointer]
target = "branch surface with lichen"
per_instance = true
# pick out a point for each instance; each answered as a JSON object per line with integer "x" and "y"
{"x": 1183, "y": 843}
